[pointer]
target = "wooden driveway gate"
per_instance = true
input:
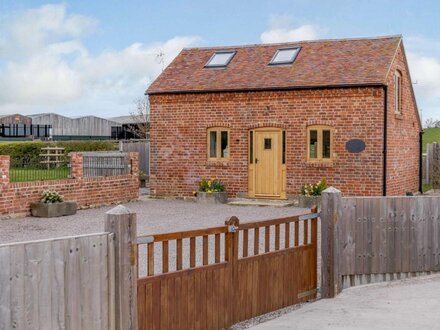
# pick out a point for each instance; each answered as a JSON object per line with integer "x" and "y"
{"x": 215, "y": 277}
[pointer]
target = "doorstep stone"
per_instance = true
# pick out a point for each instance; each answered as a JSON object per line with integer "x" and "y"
{"x": 260, "y": 202}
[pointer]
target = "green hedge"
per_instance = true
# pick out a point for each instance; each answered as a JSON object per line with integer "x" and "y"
{"x": 32, "y": 149}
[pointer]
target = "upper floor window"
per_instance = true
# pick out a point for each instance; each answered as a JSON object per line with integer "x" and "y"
{"x": 285, "y": 56}
{"x": 319, "y": 143}
{"x": 398, "y": 92}
{"x": 218, "y": 143}
{"x": 220, "y": 59}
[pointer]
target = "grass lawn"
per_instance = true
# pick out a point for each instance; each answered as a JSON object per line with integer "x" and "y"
{"x": 426, "y": 187}
{"x": 430, "y": 135}
{"x": 37, "y": 174}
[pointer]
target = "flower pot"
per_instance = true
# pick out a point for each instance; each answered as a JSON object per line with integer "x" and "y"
{"x": 46, "y": 210}
{"x": 212, "y": 198}
{"x": 309, "y": 201}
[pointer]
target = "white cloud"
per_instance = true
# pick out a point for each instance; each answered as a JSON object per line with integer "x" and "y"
{"x": 425, "y": 71}
{"x": 424, "y": 63}
{"x": 30, "y": 31}
{"x": 281, "y": 30}
{"x": 45, "y": 66}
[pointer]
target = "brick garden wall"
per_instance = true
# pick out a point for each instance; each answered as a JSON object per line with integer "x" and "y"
{"x": 178, "y": 137}
{"x": 15, "y": 198}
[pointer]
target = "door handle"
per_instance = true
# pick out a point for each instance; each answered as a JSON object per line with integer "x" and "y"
{"x": 256, "y": 160}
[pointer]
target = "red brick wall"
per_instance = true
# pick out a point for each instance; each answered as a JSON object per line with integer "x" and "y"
{"x": 178, "y": 137}
{"x": 403, "y": 134}
{"x": 15, "y": 198}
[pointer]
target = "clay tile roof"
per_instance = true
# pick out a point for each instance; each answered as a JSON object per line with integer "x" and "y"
{"x": 318, "y": 64}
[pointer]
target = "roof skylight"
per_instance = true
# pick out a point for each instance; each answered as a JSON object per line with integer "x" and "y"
{"x": 285, "y": 56}
{"x": 220, "y": 59}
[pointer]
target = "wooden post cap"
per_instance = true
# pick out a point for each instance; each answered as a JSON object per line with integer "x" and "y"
{"x": 331, "y": 190}
{"x": 119, "y": 210}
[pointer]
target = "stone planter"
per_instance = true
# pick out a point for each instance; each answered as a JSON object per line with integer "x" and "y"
{"x": 212, "y": 198}
{"x": 309, "y": 201}
{"x": 45, "y": 210}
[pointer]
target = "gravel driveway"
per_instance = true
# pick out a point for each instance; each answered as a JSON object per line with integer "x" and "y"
{"x": 153, "y": 216}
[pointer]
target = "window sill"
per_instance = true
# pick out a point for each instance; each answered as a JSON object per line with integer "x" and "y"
{"x": 217, "y": 163}
{"x": 398, "y": 116}
{"x": 323, "y": 164}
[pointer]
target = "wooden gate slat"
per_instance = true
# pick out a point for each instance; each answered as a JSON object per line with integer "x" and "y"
{"x": 165, "y": 259}
{"x": 216, "y": 294}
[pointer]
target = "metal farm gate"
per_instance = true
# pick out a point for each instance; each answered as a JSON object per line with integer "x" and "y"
{"x": 215, "y": 277}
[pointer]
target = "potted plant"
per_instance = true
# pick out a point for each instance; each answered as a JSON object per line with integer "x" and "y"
{"x": 211, "y": 192}
{"x": 51, "y": 205}
{"x": 311, "y": 194}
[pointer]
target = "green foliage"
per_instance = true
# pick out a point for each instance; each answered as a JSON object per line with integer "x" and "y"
{"x": 213, "y": 185}
{"x": 30, "y": 150}
{"x": 50, "y": 197}
{"x": 73, "y": 146}
{"x": 27, "y": 151}
{"x": 314, "y": 189}
{"x": 426, "y": 187}
{"x": 430, "y": 135}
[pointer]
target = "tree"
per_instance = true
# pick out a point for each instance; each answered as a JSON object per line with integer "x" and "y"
{"x": 141, "y": 119}
{"x": 431, "y": 123}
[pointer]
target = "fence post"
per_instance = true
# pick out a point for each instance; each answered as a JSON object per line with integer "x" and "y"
{"x": 331, "y": 282}
{"x": 314, "y": 241}
{"x": 122, "y": 222}
{"x": 76, "y": 165}
{"x": 134, "y": 163}
{"x": 231, "y": 257}
{"x": 5, "y": 163}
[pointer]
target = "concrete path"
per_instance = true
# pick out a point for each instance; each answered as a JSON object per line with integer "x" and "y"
{"x": 406, "y": 304}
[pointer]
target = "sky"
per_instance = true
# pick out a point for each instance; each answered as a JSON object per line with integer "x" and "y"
{"x": 98, "y": 57}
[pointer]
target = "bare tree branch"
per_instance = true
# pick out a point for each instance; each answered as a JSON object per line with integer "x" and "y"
{"x": 141, "y": 121}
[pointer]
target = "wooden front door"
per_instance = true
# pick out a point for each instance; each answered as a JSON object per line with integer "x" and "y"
{"x": 266, "y": 165}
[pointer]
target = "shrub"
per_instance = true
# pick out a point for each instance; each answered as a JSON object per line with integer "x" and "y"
{"x": 50, "y": 197}
{"x": 76, "y": 146}
{"x": 28, "y": 151}
{"x": 314, "y": 189}
{"x": 213, "y": 185}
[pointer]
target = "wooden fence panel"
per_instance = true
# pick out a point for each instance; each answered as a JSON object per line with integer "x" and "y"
{"x": 215, "y": 290}
{"x": 59, "y": 283}
{"x": 431, "y": 165}
{"x": 389, "y": 235}
{"x": 143, "y": 148}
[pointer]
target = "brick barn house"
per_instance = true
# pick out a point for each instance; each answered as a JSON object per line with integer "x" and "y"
{"x": 267, "y": 119}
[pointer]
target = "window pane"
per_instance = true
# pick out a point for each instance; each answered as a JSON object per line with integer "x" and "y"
{"x": 220, "y": 59}
{"x": 251, "y": 147}
{"x": 326, "y": 144}
{"x": 397, "y": 94}
{"x": 224, "y": 146}
{"x": 285, "y": 56}
{"x": 267, "y": 144}
{"x": 313, "y": 144}
{"x": 212, "y": 144}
